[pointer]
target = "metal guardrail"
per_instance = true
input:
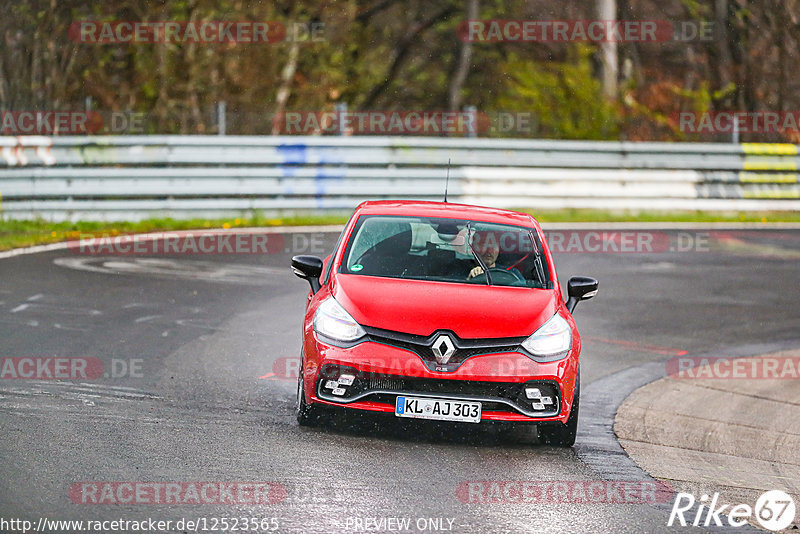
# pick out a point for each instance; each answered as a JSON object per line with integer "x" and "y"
{"x": 181, "y": 176}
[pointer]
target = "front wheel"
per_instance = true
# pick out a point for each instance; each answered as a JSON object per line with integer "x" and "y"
{"x": 563, "y": 434}
{"x": 306, "y": 415}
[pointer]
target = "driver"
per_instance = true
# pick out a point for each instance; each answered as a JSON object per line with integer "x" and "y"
{"x": 485, "y": 245}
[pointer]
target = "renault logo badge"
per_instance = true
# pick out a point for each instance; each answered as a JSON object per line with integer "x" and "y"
{"x": 443, "y": 349}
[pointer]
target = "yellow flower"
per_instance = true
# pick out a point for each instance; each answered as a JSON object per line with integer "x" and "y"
{"x": 237, "y": 221}
{"x": 53, "y": 233}
{"x": 226, "y": 225}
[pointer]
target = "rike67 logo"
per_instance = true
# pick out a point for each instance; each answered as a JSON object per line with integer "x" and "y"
{"x": 774, "y": 510}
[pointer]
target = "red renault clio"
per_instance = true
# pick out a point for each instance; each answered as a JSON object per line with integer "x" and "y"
{"x": 442, "y": 311}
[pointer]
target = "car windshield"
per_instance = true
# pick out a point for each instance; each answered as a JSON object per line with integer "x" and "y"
{"x": 446, "y": 250}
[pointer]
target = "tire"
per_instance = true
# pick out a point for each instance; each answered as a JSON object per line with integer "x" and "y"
{"x": 563, "y": 434}
{"x": 306, "y": 415}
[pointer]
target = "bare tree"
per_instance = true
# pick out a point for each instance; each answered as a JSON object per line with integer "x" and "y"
{"x": 464, "y": 58}
{"x": 607, "y": 10}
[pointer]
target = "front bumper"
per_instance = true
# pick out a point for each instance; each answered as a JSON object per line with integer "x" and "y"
{"x": 501, "y": 381}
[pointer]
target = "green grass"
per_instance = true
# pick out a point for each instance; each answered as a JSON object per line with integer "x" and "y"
{"x": 584, "y": 215}
{"x": 23, "y": 233}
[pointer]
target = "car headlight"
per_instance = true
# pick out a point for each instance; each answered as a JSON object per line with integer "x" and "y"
{"x": 333, "y": 321}
{"x": 551, "y": 341}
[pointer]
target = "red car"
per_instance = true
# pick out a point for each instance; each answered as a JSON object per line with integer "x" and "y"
{"x": 442, "y": 311}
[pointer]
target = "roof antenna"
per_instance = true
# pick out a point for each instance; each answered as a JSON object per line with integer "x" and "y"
{"x": 447, "y": 180}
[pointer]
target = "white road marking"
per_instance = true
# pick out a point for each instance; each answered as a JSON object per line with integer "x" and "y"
{"x": 64, "y": 310}
{"x": 62, "y": 327}
{"x": 24, "y": 323}
{"x": 185, "y": 269}
{"x": 145, "y": 318}
{"x": 190, "y": 323}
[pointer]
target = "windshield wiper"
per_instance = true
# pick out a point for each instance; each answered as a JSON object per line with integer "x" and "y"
{"x": 537, "y": 261}
{"x": 475, "y": 255}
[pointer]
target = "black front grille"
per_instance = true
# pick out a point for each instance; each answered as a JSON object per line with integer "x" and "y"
{"x": 497, "y": 396}
{"x": 381, "y": 382}
{"x": 464, "y": 348}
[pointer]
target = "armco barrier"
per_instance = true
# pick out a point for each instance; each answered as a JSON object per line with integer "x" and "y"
{"x": 182, "y": 176}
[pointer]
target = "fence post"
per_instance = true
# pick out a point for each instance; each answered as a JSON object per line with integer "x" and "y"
{"x": 341, "y": 113}
{"x": 221, "y": 118}
{"x": 473, "y": 112}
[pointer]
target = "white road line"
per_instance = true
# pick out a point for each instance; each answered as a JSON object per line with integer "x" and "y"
{"x": 62, "y": 327}
{"x": 145, "y": 318}
{"x": 24, "y": 323}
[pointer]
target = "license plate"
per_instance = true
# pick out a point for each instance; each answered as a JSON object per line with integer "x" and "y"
{"x": 439, "y": 409}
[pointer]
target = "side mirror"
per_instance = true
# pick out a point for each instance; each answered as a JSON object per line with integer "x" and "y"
{"x": 309, "y": 268}
{"x": 580, "y": 288}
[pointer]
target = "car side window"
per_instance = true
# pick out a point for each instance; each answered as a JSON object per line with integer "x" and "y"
{"x": 326, "y": 276}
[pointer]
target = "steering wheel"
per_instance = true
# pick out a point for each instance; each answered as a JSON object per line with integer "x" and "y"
{"x": 500, "y": 276}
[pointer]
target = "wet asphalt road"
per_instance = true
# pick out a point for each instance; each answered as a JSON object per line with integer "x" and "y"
{"x": 207, "y": 402}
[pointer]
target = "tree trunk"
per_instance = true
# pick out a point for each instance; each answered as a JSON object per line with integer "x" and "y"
{"x": 287, "y": 75}
{"x": 457, "y": 82}
{"x": 607, "y": 10}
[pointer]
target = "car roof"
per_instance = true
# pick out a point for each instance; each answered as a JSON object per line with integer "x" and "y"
{"x": 443, "y": 209}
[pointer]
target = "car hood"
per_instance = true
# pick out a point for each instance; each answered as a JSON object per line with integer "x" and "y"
{"x": 422, "y": 307}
